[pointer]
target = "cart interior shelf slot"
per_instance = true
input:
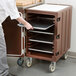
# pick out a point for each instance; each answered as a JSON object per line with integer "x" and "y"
{"x": 42, "y": 48}
{"x": 40, "y": 32}
{"x": 41, "y": 41}
{"x": 42, "y": 38}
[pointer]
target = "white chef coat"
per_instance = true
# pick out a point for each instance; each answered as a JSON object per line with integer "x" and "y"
{"x": 8, "y": 8}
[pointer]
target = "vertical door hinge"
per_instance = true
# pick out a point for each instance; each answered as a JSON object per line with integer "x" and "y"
{"x": 58, "y": 36}
{"x": 23, "y": 51}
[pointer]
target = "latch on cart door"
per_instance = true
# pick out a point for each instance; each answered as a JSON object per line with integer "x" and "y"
{"x": 57, "y": 53}
{"x": 58, "y": 19}
{"x": 58, "y": 36}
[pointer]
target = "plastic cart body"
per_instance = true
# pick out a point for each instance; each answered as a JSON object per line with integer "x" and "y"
{"x": 50, "y": 39}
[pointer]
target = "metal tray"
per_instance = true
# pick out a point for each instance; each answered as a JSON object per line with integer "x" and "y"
{"x": 42, "y": 48}
{"x": 41, "y": 24}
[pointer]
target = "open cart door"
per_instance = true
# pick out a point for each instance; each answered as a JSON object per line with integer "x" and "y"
{"x": 13, "y": 37}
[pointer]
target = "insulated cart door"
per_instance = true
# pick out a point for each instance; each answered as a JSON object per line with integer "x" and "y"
{"x": 13, "y": 37}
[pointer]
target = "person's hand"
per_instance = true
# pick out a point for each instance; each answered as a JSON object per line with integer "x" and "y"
{"x": 25, "y": 23}
{"x": 28, "y": 26}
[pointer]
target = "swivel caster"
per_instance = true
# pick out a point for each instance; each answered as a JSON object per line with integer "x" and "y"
{"x": 52, "y": 67}
{"x": 20, "y": 61}
{"x": 65, "y": 56}
{"x": 29, "y": 62}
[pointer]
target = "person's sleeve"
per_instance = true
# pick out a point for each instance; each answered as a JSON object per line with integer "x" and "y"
{"x": 13, "y": 11}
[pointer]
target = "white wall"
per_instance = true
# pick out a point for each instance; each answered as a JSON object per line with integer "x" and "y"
{"x": 73, "y": 32}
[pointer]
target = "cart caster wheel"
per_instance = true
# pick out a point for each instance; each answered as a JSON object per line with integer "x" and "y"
{"x": 65, "y": 56}
{"x": 20, "y": 61}
{"x": 29, "y": 62}
{"x": 52, "y": 67}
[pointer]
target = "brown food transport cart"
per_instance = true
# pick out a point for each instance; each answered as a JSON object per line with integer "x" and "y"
{"x": 50, "y": 38}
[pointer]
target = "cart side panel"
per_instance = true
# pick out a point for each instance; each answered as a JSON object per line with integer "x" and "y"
{"x": 69, "y": 31}
{"x": 66, "y": 29}
{"x": 63, "y": 30}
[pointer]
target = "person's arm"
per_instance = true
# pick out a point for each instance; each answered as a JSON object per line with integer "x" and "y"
{"x": 14, "y": 14}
